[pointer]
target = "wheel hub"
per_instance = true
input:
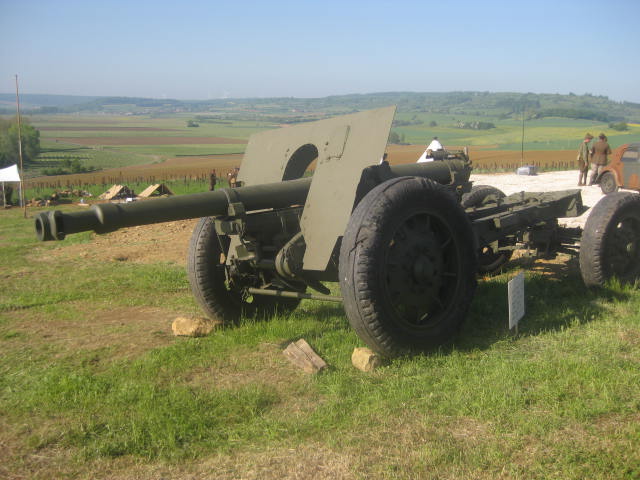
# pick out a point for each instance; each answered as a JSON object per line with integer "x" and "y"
{"x": 424, "y": 271}
{"x": 415, "y": 267}
{"x": 624, "y": 254}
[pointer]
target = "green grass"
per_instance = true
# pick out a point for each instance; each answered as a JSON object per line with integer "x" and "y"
{"x": 178, "y": 187}
{"x": 560, "y": 400}
{"x": 53, "y": 154}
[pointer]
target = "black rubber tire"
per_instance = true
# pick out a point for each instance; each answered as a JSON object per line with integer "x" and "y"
{"x": 206, "y": 273}
{"x": 608, "y": 183}
{"x": 480, "y": 196}
{"x": 610, "y": 244}
{"x": 371, "y": 249}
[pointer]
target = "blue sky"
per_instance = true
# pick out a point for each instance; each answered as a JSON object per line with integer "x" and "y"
{"x": 213, "y": 49}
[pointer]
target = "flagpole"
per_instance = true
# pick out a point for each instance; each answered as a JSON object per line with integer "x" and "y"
{"x": 24, "y": 204}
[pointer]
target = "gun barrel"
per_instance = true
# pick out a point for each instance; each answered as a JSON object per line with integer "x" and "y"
{"x": 107, "y": 217}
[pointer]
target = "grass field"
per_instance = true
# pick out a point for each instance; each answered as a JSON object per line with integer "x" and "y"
{"x": 107, "y": 142}
{"x": 93, "y": 385}
{"x": 539, "y": 134}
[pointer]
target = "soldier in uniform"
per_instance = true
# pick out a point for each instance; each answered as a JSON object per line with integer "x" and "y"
{"x": 213, "y": 179}
{"x": 599, "y": 154}
{"x": 584, "y": 152}
{"x": 233, "y": 177}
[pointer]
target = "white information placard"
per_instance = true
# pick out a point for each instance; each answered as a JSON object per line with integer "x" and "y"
{"x": 515, "y": 294}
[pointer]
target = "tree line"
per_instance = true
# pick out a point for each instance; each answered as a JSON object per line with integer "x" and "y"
{"x": 9, "y": 142}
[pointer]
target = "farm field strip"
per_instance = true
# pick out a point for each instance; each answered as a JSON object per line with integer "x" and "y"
{"x": 106, "y": 129}
{"x": 156, "y": 140}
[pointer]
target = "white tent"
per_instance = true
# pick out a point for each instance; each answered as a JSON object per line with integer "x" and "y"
{"x": 9, "y": 174}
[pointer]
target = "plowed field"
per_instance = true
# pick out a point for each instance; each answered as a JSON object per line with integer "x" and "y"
{"x": 492, "y": 159}
{"x": 199, "y": 167}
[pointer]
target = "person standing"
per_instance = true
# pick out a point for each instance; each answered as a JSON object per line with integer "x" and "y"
{"x": 583, "y": 159}
{"x": 213, "y": 180}
{"x": 599, "y": 154}
{"x": 434, "y": 146}
{"x": 232, "y": 177}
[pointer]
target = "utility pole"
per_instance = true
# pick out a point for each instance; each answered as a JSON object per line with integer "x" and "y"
{"x": 522, "y": 147}
{"x": 24, "y": 204}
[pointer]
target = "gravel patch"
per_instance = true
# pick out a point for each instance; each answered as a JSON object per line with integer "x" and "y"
{"x": 544, "y": 182}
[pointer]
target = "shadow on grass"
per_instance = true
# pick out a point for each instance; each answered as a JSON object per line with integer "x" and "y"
{"x": 326, "y": 311}
{"x": 554, "y": 299}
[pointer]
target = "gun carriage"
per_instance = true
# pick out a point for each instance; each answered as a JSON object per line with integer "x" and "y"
{"x": 405, "y": 242}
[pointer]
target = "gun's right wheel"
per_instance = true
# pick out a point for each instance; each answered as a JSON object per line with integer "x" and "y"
{"x": 407, "y": 266}
{"x": 481, "y": 196}
{"x": 610, "y": 243}
{"x": 207, "y": 274}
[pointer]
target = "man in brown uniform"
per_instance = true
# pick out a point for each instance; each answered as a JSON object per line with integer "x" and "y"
{"x": 599, "y": 154}
{"x": 583, "y": 159}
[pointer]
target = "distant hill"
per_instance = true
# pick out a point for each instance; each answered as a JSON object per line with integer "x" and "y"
{"x": 291, "y": 110}
{"x": 34, "y": 101}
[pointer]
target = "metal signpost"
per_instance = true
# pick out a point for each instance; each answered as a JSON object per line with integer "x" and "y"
{"x": 516, "y": 300}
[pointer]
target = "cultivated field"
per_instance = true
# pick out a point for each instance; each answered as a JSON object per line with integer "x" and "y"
{"x": 488, "y": 159}
{"x": 143, "y": 149}
{"x": 195, "y": 169}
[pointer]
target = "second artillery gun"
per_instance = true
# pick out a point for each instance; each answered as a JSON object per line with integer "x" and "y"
{"x": 404, "y": 242}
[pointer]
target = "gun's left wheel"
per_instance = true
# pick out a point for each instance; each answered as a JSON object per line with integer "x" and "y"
{"x": 210, "y": 285}
{"x": 407, "y": 266}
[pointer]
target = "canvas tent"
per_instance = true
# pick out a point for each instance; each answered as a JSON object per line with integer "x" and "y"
{"x": 115, "y": 192}
{"x": 157, "y": 189}
{"x": 9, "y": 174}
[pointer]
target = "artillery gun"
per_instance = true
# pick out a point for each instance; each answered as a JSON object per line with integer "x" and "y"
{"x": 404, "y": 242}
